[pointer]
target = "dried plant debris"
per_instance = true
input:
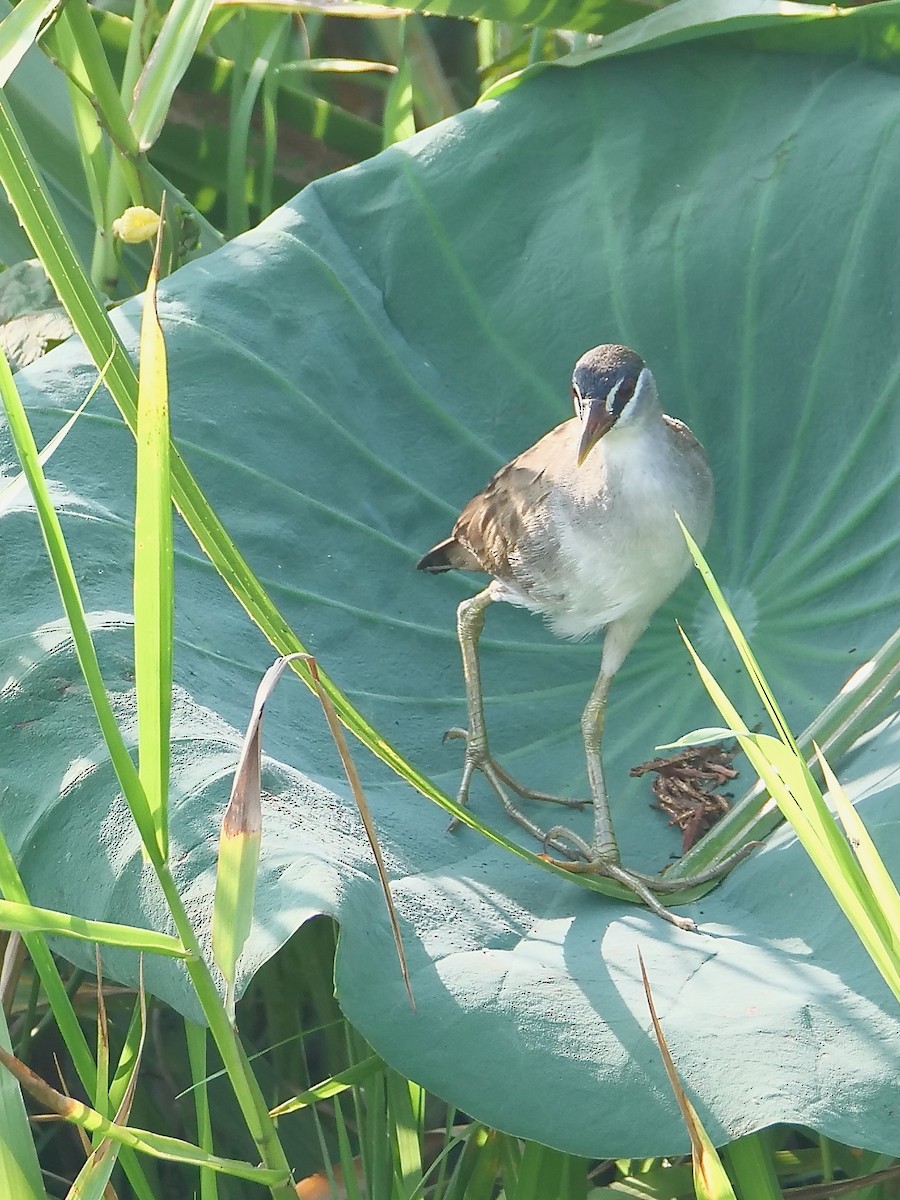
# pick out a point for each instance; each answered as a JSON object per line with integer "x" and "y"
{"x": 31, "y": 319}
{"x": 685, "y": 787}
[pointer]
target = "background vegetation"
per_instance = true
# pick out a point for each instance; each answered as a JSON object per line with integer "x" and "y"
{"x": 665, "y": 197}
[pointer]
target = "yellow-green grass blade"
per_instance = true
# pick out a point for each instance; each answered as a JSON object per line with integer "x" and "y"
{"x": 406, "y": 1127}
{"x": 25, "y": 918}
{"x": 71, "y": 598}
{"x": 333, "y": 1086}
{"x": 544, "y": 1172}
{"x": 711, "y": 1181}
{"x": 737, "y": 636}
{"x": 154, "y": 566}
{"x": 157, "y": 1145}
{"x": 92, "y": 1180}
{"x": 129, "y": 1056}
{"x": 64, "y": 1014}
{"x": 236, "y": 870}
{"x": 399, "y": 120}
{"x": 349, "y": 1167}
{"x": 779, "y": 762}
{"x": 860, "y": 704}
{"x": 750, "y": 1165}
{"x": 884, "y": 890}
{"x": 476, "y": 1172}
{"x": 20, "y": 1171}
{"x": 20, "y": 30}
{"x": 777, "y": 774}
{"x": 789, "y": 782}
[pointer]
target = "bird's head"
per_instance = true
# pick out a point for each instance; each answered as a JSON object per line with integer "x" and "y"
{"x": 609, "y": 384}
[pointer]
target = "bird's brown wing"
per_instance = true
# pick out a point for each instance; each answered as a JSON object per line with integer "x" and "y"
{"x": 689, "y": 448}
{"x": 491, "y": 525}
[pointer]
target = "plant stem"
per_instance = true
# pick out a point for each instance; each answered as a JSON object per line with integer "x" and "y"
{"x": 244, "y": 1083}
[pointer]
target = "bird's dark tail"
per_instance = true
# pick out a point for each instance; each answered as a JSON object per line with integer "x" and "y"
{"x": 448, "y": 555}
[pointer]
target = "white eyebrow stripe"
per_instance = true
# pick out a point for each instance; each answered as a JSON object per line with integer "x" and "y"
{"x": 611, "y": 396}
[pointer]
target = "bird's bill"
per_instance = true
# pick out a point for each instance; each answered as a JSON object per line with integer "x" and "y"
{"x": 595, "y": 422}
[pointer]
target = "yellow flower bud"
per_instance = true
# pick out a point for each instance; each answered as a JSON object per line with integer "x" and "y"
{"x": 136, "y": 225}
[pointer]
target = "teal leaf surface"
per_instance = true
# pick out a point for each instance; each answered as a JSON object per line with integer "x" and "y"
{"x": 342, "y": 380}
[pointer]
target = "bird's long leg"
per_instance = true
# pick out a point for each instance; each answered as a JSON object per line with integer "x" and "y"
{"x": 601, "y": 856}
{"x": 469, "y": 625}
{"x": 603, "y": 844}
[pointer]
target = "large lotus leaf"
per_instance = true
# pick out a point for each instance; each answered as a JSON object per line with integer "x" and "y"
{"x": 343, "y": 379}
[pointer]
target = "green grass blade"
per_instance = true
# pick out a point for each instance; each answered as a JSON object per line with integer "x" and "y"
{"x": 547, "y": 1172}
{"x": 244, "y": 101}
{"x": 71, "y": 598}
{"x": 333, "y": 1086}
{"x": 80, "y": 43}
{"x": 64, "y": 1014}
{"x": 12, "y": 490}
{"x": 92, "y": 1180}
{"x": 169, "y": 59}
{"x": 399, "y": 121}
{"x": 157, "y": 1145}
{"x": 24, "y": 918}
{"x": 196, "y": 1044}
{"x": 20, "y": 1171}
{"x": 737, "y": 636}
{"x": 751, "y": 1167}
{"x": 20, "y": 30}
{"x": 787, "y": 779}
{"x": 863, "y": 700}
{"x": 349, "y": 1168}
{"x": 478, "y": 1167}
{"x": 883, "y": 888}
{"x": 405, "y": 1121}
{"x": 154, "y": 567}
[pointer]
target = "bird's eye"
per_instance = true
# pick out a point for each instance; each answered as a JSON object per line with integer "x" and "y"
{"x": 619, "y": 396}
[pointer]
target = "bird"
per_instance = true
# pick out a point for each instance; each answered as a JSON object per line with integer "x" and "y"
{"x": 581, "y": 528}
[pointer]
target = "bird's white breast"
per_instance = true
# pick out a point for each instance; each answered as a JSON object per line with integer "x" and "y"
{"x": 610, "y": 532}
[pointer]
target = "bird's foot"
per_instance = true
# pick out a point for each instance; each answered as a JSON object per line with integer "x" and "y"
{"x": 590, "y": 861}
{"x": 481, "y": 757}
